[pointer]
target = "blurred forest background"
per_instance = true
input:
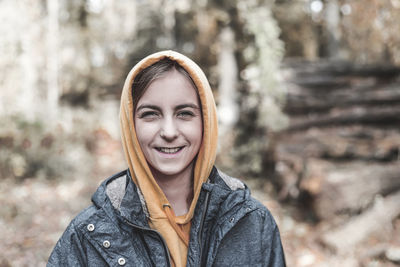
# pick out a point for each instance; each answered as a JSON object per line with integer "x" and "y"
{"x": 308, "y": 95}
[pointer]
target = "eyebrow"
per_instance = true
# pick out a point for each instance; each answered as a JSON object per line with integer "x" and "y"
{"x": 189, "y": 105}
{"x": 182, "y": 106}
{"x": 149, "y": 107}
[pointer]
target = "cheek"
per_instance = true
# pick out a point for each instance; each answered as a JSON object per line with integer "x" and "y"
{"x": 195, "y": 132}
{"x": 143, "y": 132}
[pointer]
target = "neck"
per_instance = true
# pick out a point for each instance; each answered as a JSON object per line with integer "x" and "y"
{"x": 178, "y": 188}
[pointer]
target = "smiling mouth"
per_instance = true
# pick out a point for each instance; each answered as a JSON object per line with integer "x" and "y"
{"x": 169, "y": 150}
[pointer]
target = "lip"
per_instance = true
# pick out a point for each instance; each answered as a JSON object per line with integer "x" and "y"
{"x": 169, "y": 154}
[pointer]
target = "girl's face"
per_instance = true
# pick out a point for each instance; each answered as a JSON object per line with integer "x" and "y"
{"x": 168, "y": 123}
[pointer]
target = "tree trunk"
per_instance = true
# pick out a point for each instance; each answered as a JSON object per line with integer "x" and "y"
{"x": 52, "y": 60}
{"x": 228, "y": 76}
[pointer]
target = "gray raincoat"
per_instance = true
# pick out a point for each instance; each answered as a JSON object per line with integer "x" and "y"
{"x": 229, "y": 228}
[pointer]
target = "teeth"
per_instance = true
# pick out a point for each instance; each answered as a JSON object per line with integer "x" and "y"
{"x": 169, "y": 150}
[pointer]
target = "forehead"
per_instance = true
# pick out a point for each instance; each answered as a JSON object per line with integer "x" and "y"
{"x": 173, "y": 86}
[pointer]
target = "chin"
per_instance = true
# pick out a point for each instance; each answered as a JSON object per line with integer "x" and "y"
{"x": 169, "y": 170}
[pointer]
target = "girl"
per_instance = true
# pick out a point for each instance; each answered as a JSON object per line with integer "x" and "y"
{"x": 171, "y": 207}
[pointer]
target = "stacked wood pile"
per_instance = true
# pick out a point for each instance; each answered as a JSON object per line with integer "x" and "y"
{"x": 341, "y": 151}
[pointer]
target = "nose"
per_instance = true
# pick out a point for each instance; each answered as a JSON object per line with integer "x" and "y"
{"x": 169, "y": 130}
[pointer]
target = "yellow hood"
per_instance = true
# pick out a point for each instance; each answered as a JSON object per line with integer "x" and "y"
{"x": 140, "y": 171}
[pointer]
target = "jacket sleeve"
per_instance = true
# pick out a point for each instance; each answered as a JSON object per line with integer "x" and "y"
{"x": 272, "y": 246}
{"x": 253, "y": 241}
{"x": 68, "y": 250}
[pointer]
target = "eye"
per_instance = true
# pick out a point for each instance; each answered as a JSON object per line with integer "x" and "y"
{"x": 148, "y": 115}
{"x": 186, "y": 114}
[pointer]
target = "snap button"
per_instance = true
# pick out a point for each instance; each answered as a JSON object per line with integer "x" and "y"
{"x": 90, "y": 227}
{"x": 231, "y": 220}
{"x": 121, "y": 261}
{"x": 106, "y": 244}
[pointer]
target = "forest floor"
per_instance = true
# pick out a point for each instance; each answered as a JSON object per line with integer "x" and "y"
{"x": 35, "y": 211}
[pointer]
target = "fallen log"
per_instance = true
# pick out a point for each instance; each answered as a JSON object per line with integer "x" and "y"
{"x": 305, "y": 102}
{"x": 304, "y": 68}
{"x": 375, "y": 220}
{"x": 361, "y": 115}
{"x": 342, "y": 144}
{"x": 350, "y": 188}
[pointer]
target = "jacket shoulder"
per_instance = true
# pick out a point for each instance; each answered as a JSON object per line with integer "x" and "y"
{"x": 69, "y": 250}
{"x": 253, "y": 204}
{"x": 232, "y": 182}
{"x": 80, "y": 220}
{"x": 84, "y": 215}
{"x": 262, "y": 211}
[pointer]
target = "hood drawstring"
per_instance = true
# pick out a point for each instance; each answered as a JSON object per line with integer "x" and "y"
{"x": 177, "y": 227}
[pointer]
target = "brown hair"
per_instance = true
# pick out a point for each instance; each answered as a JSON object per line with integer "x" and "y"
{"x": 152, "y": 73}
